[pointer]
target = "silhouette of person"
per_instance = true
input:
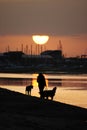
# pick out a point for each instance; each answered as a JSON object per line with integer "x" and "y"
{"x": 41, "y": 82}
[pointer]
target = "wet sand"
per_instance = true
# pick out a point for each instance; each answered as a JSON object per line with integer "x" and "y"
{"x": 23, "y": 112}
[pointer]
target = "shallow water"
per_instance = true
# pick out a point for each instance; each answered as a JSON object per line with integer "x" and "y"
{"x": 71, "y": 89}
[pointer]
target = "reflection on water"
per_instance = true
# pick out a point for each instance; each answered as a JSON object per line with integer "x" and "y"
{"x": 71, "y": 89}
{"x": 50, "y": 83}
{"x": 14, "y": 81}
{"x": 34, "y": 80}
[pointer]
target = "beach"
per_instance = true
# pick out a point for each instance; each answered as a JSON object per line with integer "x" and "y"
{"x": 20, "y": 111}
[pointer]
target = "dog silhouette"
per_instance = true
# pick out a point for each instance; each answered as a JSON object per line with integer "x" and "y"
{"x": 28, "y": 89}
{"x": 48, "y": 93}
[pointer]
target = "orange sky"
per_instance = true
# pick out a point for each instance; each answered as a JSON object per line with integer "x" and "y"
{"x": 71, "y": 45}
{"x": 64, "y": 20}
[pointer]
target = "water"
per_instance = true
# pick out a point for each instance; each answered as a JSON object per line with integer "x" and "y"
{"x": 71, "y": 89}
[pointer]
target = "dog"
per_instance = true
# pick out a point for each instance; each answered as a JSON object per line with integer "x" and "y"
{"x": 28, "y": 89}
{"x": 48, "y": 93}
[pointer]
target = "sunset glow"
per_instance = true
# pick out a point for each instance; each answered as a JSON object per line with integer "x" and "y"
{"x": 40, "y": 39}
{"x": 71, "y": 45}
{"x": 26, "y": 22}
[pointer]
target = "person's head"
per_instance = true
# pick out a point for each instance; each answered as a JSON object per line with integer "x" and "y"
{"x": 40, "y": 74}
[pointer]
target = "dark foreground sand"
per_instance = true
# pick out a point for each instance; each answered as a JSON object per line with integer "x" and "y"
{"x": 22, "y": 112}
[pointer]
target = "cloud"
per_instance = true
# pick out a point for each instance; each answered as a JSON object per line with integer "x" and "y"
{"x": 55, "y": 17}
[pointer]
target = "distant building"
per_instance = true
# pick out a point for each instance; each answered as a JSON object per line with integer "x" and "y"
{"x": 19, "y": 58}
{"x": 38, "y": 59}
{"x": 56, "y": 54}
{"x": 13, "y": 54}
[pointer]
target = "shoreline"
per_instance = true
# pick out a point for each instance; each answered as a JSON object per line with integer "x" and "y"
{"x": 20, "y": 111}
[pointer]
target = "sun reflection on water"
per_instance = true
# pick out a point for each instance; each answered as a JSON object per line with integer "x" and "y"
{"x": 34, "y": 80}
{"x": 72, "y": 91}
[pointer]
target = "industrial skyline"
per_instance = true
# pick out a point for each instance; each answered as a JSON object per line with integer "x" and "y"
{"x": 33, "y": 49}
{"x": 59, "y": 19}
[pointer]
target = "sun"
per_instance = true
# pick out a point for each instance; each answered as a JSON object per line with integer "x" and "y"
{"x": 40, "y": 39}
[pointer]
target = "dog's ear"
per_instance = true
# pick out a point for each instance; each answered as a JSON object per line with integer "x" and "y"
{"x": 55, "y": 88}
